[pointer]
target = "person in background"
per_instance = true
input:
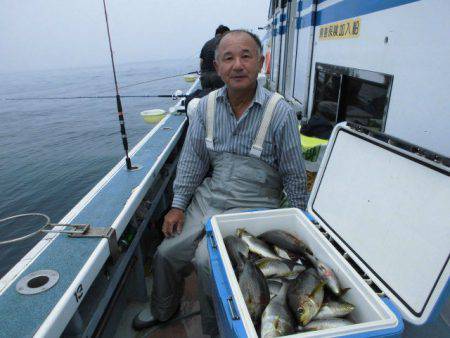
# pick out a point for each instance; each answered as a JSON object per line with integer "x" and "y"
{"x": 208, "y": 76}
{"x": 247, "y": 138}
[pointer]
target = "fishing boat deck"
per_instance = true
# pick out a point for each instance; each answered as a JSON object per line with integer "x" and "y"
{"x": 189, "y": 327}
{"x": 111, "y": 203}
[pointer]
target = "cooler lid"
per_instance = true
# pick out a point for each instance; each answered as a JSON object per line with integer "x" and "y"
{"x": 389, "y": 208}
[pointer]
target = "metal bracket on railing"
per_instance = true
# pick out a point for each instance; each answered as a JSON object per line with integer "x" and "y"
{"x": 108, "y": 233}
{"x": 85, "y": 231}
{"x": 73, "y": 230}
{"x": 68, "y": 228}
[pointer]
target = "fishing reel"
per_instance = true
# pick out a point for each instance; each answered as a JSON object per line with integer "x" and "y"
{"x": 178, "y": 94}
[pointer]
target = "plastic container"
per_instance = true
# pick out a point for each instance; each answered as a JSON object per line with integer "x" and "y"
{"x": 190, "y": 77}
{"x": 153, "y": 116}
{"x": 380, "y": 218}
{"x": 372, "y": 314}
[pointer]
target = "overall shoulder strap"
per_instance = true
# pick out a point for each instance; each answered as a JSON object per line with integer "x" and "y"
{"x": 210, "y": 111}
{"x": 257, "y": 146}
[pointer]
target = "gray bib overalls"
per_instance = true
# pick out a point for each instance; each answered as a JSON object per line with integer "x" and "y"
{"x": 237, "y": 183}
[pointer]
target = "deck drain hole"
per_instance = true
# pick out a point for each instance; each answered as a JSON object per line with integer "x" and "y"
{"x": 37, "y": 282}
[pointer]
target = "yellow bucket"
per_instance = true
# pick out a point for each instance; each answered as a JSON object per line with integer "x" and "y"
{"x": 153, "y": 116}
{"x": 190, "y": 77}
{"x": 309, "y": 142}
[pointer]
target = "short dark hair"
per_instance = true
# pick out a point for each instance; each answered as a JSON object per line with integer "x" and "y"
{"x": 222, "y": 29}
{"x": 252, "y": 35}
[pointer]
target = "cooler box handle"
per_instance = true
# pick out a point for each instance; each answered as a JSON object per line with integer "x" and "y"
{"x": 213, "y": 240}
{"x": 228, "y": 318}
{"x": 232, "y": 307}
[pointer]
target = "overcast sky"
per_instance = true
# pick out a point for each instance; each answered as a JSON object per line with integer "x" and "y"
{"x": 46, "y": 34}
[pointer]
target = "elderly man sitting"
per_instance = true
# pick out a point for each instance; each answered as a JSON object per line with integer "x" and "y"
{"x": 249, "y": 139}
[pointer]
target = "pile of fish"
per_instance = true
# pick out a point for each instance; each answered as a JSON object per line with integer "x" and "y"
{"x": 285, "y": 287}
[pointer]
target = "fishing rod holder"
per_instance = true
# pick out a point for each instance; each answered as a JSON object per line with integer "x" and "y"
{"x": 68, "y": 228}
{"x": 87, "y": 231}
{"x": 99, "y": 232}
{"x": 73, "y": 230}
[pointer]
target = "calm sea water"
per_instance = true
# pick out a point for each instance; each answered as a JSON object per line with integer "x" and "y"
{"x": 53, "y": 152}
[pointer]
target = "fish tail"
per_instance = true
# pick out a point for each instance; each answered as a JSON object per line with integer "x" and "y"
{"x": 240, "y": 232}
{"x": 343, "y": 292}
{"x": 317, "y": 288}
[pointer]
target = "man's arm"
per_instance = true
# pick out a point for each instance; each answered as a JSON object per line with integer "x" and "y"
{"x": 194, "y": 161}
{"x": 192, "y": 168}
{"x": 289, "y": 153}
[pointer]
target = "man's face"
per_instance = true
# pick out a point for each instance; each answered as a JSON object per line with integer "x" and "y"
{"x": 238, "y": 61}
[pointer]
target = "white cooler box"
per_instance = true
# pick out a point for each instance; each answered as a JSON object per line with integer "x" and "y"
{"x": 383, "y": 225}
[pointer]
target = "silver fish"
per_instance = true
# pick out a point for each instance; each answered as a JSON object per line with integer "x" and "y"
{"x": 254, "y": 290}
{"x": 276, "y": 319}
{"x": 237, "y": 251}
{"x": 323, "y": 324}
{"x": 285, "y": 240}
{"x": 328, "y": 275}
{"x": 299, "y": 262}
{"x": 293, "y": 276}
{"x": 305, "y": 296}
{"x": 281, "y": 253}
{"x": 287, "y": 255}
{"x": 256, "y": 245}
{"x": 333, "y": 309}
{"x": 274, "y": 287}
{"x": 278, "y": 268}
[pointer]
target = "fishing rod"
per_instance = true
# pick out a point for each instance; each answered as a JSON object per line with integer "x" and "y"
{"x": 172, "y": 96}
{"x": 119, "y": 102}
{"x": 158, "y": 79}
{"x": 154, "y": 80}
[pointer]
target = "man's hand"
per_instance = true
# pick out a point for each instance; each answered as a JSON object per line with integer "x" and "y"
{"x": 173, "y": 221}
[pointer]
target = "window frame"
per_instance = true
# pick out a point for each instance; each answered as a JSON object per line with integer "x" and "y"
{"x": 371, "y": 77}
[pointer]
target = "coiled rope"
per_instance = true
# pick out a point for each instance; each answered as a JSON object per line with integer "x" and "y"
{"x": 14, "y": 240}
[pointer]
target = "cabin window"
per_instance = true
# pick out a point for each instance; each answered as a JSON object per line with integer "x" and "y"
{"x": 349, "y": 94}
{"x": 364, "y": 103}
{"x": 326, "y": 97}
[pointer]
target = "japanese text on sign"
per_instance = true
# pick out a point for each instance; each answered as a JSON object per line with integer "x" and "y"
{"x": 340, "y": 30}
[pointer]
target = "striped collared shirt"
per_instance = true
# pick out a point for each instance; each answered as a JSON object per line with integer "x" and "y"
{"x": 281, "y": 147}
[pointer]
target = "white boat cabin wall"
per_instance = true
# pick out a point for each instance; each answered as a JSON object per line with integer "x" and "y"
{"x": 382, "y": 64}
